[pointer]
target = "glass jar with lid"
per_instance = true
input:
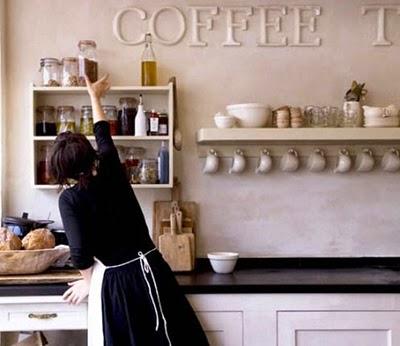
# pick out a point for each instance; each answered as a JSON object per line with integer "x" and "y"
{"x": 86, "y": 124}
{"x": 148, "y": 171}
{"x": 126, "y": 115}
{"x": 87, "y": 58}
{"x": 66, "y": 119}
{"x": 133, "y": 161}
{"x": 112, "y": 118}
{"x": 50, "y": 69}
{"x": 45, "y": 121}
{"x": 70, "y": 72}
{"x": 43, "y": 175}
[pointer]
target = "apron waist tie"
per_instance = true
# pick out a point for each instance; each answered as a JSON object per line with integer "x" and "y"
{"x": 146, "y": 269}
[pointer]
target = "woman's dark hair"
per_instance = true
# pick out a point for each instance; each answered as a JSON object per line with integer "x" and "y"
{"x": 73, "y": 157}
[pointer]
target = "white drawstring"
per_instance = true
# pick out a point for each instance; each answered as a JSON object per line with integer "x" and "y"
{"x": 146, "y": 268}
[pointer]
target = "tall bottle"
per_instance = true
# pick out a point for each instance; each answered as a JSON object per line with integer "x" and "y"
{"x": 163, "y": 164}
{"x": 149, "y": 64}
{"x": 140, "y": 120}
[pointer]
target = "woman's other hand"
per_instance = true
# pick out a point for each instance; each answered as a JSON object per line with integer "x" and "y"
{"x": 78, "y": 291}
{"x": 98, "y": 89}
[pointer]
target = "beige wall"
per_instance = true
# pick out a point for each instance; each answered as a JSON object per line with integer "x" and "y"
{"x": 300, "y": 214}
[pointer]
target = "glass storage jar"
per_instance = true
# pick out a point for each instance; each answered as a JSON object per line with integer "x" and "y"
{"x": 133, "y": 161}
{"x": 66, "y": 119}
{"x": 45, "y": 121}
{"x": 70, "y": 73}
{"x": 163, "y": 124}
{"x": 112, "y": 118}
{"x": 148, "y": 171}
{"x": 50, "y": 69}
{"x": 43, "y": 175}
{"x": 87, "y": 58}
{"x": 126, "y": 115}
{"x": 86, "y": 124}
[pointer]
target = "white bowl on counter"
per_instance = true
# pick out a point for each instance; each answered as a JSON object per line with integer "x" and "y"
{"x": 224, "y": 121}
{"x": 250, "y": 115}
{"x": 223, "y": 262}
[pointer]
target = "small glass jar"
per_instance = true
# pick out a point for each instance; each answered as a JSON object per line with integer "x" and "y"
{"x": 163, "y": 124}
{"x": 45, "y": 121}
{"x": 86, "y": 124}
{"x": 148, "y": 171}
{"x": 66, "y": 119}
{"x": 126, "y": 115}
{"x": 50, "y": 69}
{"x": 112, "y": 118}
{"x": 133, "y": 161}
{"x": 43, "y": 175}
{"x": 70, "y": 72}
{"x": 87, "y": 61}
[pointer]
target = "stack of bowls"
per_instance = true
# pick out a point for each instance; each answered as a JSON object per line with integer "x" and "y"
{"x": 381, "y": 116}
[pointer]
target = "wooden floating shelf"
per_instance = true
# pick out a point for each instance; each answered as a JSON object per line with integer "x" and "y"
{"x": 115, "y": 138}
{"x": 113, "y": 90}
{"x": 301, "y": 135}
{"x": 136, "y": 186}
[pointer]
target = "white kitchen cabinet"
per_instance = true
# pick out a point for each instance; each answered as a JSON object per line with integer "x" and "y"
{"x": 159, "y": 98}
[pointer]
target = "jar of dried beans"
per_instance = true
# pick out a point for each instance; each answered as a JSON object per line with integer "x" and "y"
{"x": 87, "y": 61}
{"x": 50, "y": 69}
{"x": 70, "y": 73}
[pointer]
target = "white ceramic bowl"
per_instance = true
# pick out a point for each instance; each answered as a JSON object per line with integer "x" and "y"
{"x": 224, "y": 121}
{"x": 250, "y": 114}
{"x": 223, "y": 262}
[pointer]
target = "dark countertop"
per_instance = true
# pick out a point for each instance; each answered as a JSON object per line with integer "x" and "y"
{"x": 270, "y": 277}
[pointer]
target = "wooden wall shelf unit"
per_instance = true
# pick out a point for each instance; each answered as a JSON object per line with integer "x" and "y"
{"x": 157, "y": 97}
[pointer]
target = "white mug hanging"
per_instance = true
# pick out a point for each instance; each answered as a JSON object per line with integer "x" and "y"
{"x": 317, "y": 161}
{"x": 344, "y": 162}
{"x": 212, "y": 162}
{"x": 264, "y": 162}
{"x": 238, "y": 162}
{"x": 365, "y": 161}
{"x": 290, "y": 161}
{"x": 391, "y": 160}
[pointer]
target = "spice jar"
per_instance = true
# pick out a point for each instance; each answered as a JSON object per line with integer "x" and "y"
{"x": 126, "y": 115}
{"x": 87, "y": 61}
{"x": 43, "y": 175}
{"x": 148, "y": 171}
{"x": 86, "y": 125}
{"x": 70, "y": 72}
{"x": 112, "y": 118}
{"x": 45, "y": 121}
{"x": 50, "y": 69}
{"x": 163, "y": 124}
{"x": 153, "y": 123}
{"x": 133, "y": 161}
{"x": 66, "y": 119}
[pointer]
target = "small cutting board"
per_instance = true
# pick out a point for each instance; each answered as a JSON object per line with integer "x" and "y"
{"x": 51, "y": 276}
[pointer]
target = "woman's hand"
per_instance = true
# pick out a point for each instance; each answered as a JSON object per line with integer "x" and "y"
{"x": 78, "y": 291}
{"x": 98, "y": 89}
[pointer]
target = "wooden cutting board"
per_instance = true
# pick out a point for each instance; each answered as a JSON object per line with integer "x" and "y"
{"x": 51, "y": 276}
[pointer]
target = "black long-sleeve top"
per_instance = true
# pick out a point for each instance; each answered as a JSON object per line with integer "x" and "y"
{"x": 104, "y": 220}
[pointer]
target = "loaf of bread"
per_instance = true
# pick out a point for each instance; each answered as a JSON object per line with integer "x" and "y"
{"x": 8, "y": 240}
{"x": 37, "y": 239}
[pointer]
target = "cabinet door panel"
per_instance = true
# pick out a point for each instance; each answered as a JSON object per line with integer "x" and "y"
{"x": 223, "y": 328}
{"x": 344, "y": 328}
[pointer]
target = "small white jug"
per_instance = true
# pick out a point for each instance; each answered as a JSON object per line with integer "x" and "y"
{"x": 212, "y": 162}
{"x": 344, "y": 162}
{"x": 317, "y": 161}
{"x": 238, "y": 162}
{"x": 290, "y": 161}
{"x": 264, "y": 162}
{"x": 365, "y": 161}
{"x": 391, "y": 160}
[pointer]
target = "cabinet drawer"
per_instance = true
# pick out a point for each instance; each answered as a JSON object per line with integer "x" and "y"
{"x": 223, "y": 328}
{"x": 42, "y": 317}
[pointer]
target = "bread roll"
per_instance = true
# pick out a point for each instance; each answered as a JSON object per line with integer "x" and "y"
{"x": 8, "y": 240}
{"x": 40, "y": 238}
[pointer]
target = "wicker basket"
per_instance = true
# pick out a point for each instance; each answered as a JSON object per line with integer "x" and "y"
{"x": 31, "y": 261}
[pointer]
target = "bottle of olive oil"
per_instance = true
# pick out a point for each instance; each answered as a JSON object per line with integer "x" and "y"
{"x": 149, "y": 64}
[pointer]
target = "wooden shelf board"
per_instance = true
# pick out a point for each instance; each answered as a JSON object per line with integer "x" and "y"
{"x": 114, "y": 90}
{"x": 136, "y": 186}
{"x": 115, "y": 138}
{"x": 236, "y": 135}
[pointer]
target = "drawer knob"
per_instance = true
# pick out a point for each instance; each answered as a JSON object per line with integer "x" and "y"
{"x": 42, "y": 316}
